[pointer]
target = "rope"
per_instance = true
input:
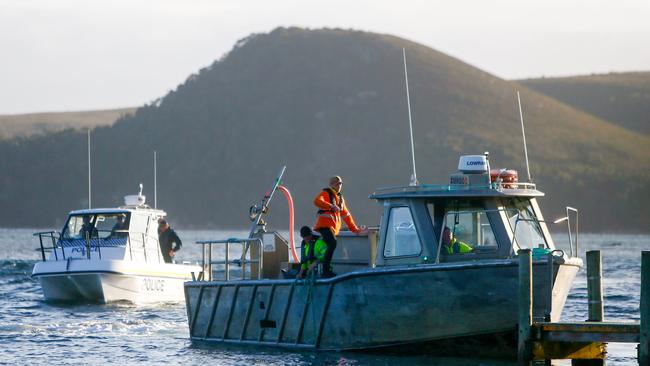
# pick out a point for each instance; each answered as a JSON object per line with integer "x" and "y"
{"x": 310, "y": 282}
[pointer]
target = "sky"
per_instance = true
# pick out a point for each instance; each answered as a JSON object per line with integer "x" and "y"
{"x": 69, "y": 55}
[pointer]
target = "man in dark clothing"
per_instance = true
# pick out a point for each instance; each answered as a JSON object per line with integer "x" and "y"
{"x": 167, "y": 237}
{"x": 88, "y": 230}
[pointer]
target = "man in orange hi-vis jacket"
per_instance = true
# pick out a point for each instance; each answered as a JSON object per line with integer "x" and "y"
{"x": 331, "y": 210}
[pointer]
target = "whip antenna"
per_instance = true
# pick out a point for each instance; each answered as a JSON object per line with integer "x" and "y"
{"x": 523, "y": 133}
{"x": 155, "y": 182}
{"x": 414, "y": 177}
{"x": 89, "y": 182}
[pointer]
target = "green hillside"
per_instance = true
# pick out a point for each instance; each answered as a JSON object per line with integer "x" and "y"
{"x": 327, "y": 102}
{"x": 622, "y": 98}
{"x": 23, "y": 125}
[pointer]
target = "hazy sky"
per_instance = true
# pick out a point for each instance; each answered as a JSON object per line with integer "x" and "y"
{"x": 86, "y": 54}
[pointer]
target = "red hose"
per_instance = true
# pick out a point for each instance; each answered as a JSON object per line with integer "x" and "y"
{"x": 292, "y": 244}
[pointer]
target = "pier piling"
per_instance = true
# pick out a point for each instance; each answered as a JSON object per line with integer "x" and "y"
{"x": 595, "y": 302}
{"x": 595, "y": 286}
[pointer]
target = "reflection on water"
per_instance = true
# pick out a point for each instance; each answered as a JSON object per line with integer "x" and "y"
{"x": 35, "y": 332}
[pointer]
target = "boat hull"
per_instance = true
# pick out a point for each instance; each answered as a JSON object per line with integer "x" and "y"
{"x": 372, "y": 308}
{"x": 111, "y": 281}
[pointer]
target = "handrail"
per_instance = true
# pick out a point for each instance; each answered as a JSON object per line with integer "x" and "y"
{"x": 568, "y": 222}
{"x": 53, "y": 247}
{"x": 207, "y": 264}
{"x": 94, "y": 242}
{"x": 459, "y": 187}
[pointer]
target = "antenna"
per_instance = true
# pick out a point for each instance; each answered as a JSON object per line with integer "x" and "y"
{"x": 414, "y": 177}
{"x": 89, "y": 181}
{"x": 155, "y": 183}
{"x": 140, "y": 193}
{"x": 523, "y": 133}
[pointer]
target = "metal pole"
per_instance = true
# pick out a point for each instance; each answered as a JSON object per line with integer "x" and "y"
{"x": 203, "y": 265}
{"x": 577, "y": 231}
{"x": 40, "y": 239}
{"x": 644, "y": 336}
{"x": 261, "y": 261}
{"x": 88, "y": 245}
{"x": 155, "y": 182}
{"x": 89, "y": 181}
{"x": 210, "y": 261}
{"x": 525, "y": 306}
{"x": 595, "y": 286}
{"x": 144, "y": 249}
{"x": 226, "y": 264}
{"x": 414, "y": 178}
{"x": 568, "y": 224}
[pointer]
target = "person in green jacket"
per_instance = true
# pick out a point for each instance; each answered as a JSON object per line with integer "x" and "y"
{"x": 452, "y": 246}
{"x": 313, "y": 251}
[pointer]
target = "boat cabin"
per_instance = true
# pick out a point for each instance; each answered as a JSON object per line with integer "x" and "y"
{"x": 128, "y": 232}
{"x": 481, "y": 214}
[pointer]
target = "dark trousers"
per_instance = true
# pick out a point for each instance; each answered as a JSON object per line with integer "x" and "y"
{"x": 330, "y": 240}
{"x": 166, "y": 257}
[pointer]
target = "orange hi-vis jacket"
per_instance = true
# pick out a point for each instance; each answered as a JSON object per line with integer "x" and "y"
{"x": 330, "y": 219}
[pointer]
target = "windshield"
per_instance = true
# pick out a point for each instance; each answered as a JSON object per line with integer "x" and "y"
{"x": 89, "y": 226}
{"x": 525, "y": 225}
{"x": 470, "y": 228}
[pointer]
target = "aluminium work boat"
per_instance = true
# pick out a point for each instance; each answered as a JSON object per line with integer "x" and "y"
{"x": 399, "y": 285}
{"x": 110, "y": 254}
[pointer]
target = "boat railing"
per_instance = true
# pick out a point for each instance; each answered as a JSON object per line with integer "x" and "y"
{"x": 141, "y": 247}
{"x": 573, "y": 244}
{"x": 115, "y": 238}
{"x": 207, "y": 261}
{"x": 498, "y": 186}
{"x": 53, "y": 236}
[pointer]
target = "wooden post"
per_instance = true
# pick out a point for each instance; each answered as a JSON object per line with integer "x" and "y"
{"x": 595, "y": 286}
{"x": 644, "y": 348}
{"x": 595, "y": 299}
{"x": 525, "y": 307}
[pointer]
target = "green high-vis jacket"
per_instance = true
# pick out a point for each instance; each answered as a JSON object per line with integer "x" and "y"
{"x": 310, "y": 255}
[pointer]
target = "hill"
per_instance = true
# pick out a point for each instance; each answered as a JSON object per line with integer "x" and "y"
{"x": 622, "y": 98}
{"x": 327, "y": 102}
{"x": 24, "y": 125}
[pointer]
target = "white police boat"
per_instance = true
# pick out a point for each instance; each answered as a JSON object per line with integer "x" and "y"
{"x": 110, "y": 254}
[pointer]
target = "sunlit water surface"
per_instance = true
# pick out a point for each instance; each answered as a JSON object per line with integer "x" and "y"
{"x": 35, "y": 332}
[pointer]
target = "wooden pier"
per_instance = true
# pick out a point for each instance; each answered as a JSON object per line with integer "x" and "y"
{"x": 582, "y": 342}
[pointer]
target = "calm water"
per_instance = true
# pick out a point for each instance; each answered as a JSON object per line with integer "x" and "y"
{"x": 34, "y": 332}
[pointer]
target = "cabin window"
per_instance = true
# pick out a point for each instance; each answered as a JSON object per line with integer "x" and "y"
{"x": 112, "y": 225}
{"x": 467, "y": 231}
{"x": 525, "y": 225}
{"x": 78, "y": 226}
{"x": 401, "y": 237}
